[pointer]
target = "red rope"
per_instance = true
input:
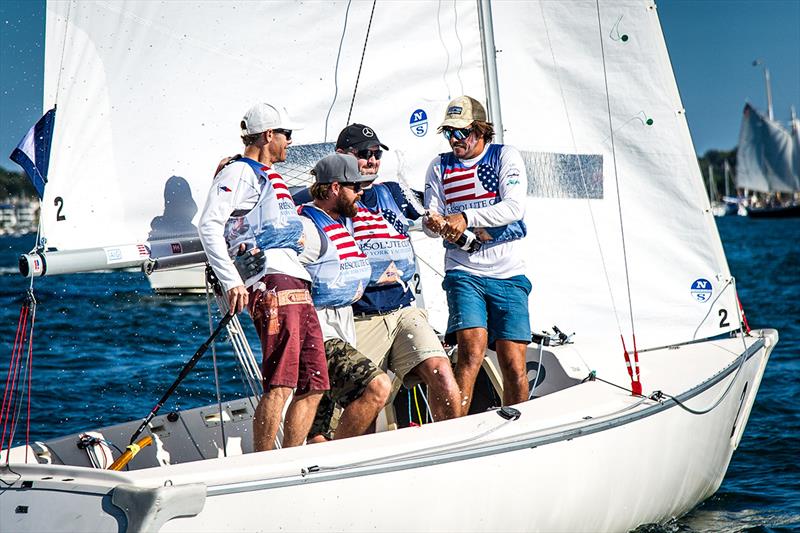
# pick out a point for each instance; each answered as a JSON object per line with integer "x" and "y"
{"x": 11, "y": 380}
{"x": 7, "y": 391}
{"x": 744, "y": 317}
{"x": 633, "y": 368}
{"x": 30, "y": 379}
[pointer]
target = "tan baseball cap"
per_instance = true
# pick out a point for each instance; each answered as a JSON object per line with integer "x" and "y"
{"x": 463, "y": 111}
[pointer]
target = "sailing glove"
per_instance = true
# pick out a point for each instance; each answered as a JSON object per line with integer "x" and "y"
{"x": 250, "y": 262}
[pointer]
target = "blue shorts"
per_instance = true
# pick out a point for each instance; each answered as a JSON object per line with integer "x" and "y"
{"x": 498, "y": 305}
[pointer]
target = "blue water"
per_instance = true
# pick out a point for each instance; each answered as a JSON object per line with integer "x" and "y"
{"x": 106, "y": 347}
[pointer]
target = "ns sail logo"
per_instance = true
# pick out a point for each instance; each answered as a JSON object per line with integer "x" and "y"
{"x": 701, "y": 290}
{"x": 418, "y": 123}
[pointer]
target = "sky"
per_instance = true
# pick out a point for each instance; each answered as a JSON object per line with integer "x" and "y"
{"x": 712, "y": 45}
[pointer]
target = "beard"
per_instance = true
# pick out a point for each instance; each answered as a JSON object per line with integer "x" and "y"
{"x": 346, "y": 207}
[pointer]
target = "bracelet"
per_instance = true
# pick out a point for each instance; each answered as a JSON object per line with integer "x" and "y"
{"x": 463, "y": 214}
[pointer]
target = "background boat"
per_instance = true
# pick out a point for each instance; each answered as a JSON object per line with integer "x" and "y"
{"x": 768, "y": 162}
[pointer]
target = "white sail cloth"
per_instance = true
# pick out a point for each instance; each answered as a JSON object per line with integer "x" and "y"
{"x": 151, "y": 94}
{"x": 767, "y": 158}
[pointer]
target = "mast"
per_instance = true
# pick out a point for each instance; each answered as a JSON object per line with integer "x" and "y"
{"x": 767, "y": 84}
{"x": 712, "y": 193}
{"x": 490, "y": 67}
{"x": 726, "y": 169}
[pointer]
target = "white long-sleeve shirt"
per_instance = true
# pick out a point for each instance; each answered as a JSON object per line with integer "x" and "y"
{"x": 236, "y": 188}
{"x": 503, "y": 260}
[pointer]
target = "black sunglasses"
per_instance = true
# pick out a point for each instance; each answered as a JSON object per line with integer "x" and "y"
{"x": 356, "y": 187}
{"x": 285, "y": 133}
{"x": 366, "y": 154}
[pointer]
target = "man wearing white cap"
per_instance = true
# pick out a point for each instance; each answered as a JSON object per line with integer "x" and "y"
{"x": 249, "y": 207}
{"x": 482, "y": 186}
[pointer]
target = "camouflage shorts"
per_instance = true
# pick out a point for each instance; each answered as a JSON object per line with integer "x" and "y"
{"x": 350, "y": 372}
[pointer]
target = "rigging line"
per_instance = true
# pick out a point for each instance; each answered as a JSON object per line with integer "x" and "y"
{"x": 30, "y": 379}
{"x": 435, "y": 270}
{"x": 446, "y": 51}
{"x": 460, "y": 49}
{"x": 581, "y": 171}
{"x": 635, "y": 363}
{"x": 241, "y": 348}
{"x": 361, "y": 64}
{"x": 336, "y": 70}
{"x": 717, "y": 402}
{"x": 427, "y": 405}
{"x": 63, "y": 49}
{"x": 711, "y": 306}
{"x": 11, "y": 408}
{"x": 216, "y": 373}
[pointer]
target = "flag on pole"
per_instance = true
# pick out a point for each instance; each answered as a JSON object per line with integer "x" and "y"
{"x": 33, "y": 151}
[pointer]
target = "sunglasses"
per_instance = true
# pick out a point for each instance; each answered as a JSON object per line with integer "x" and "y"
{"x": 459, "y": 134}
{"x": 285, "y": 133}
{"x": 355, "y": 187}
{"x": 366, "y": 154}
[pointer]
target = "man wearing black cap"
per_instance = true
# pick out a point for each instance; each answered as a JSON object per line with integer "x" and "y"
{"x": 395, "y": 334}
{"x": 339, "y": 272}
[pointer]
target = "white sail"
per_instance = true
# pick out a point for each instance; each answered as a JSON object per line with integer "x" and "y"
{"x": 147, "y": 108}
{"x": 765, "y": 159}
{"x": 553, "y": 91}
{"x": 150, "y": 95}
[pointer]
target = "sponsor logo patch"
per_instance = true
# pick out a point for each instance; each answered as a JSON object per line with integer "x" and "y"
{"x": 701, "y": 290}
{"x": 418, "y": 123}
{"x": 454, "y": 110}
{"x": 224, "y": 188}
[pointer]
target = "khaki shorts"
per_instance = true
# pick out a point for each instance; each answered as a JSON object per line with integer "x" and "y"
{"x": 398, "y": 341}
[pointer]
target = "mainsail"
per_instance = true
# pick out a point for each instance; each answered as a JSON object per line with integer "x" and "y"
{"x": 151, "y": 93}
{"x": 767, "y": 159}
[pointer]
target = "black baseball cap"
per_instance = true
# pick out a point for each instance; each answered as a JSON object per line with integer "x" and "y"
{"x": 358, "y": 137}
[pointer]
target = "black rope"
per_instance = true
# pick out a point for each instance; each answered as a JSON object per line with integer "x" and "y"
{"x": 361, "y": 64}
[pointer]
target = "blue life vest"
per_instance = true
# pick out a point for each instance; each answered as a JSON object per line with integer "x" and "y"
{"x": 475, "y": 187}
{"x": 272, "y": 223}
{"x": 341, "y": 273}
{"x": 382, "y": 234}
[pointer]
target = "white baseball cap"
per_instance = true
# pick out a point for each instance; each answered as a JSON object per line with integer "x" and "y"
{"x": 262, "y": 117}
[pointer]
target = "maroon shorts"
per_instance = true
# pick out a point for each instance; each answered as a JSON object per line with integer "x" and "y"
{"x": 291, "y": 339}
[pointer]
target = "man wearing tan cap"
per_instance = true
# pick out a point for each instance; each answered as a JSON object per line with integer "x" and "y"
{"x": 481, "y": 186}
{"x": 249, "y": 207}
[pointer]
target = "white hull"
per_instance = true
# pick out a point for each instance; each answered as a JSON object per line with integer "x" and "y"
{"x": 586, "y": 458}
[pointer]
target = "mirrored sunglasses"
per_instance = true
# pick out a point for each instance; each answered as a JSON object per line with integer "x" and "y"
{"x": 459, "y": 134}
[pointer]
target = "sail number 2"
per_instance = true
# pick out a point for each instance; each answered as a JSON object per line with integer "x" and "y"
{"x": 723, "y": 318}
{"x": 59, "y": 203}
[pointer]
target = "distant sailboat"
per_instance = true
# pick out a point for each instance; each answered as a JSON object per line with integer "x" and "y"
{"x": 721, "y": 207}
{"x": 768, "y": 162}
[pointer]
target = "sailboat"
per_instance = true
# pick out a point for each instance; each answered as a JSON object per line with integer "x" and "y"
{"x": 636, "y": 408}
{"x": 768, "y": 162}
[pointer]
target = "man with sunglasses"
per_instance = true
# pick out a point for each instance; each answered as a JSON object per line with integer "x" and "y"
{"x": 482, "y": 186}
{"x": 395, "y": 334}
{"x": 339, "y": 272}
{"x": 249, "y": 208}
